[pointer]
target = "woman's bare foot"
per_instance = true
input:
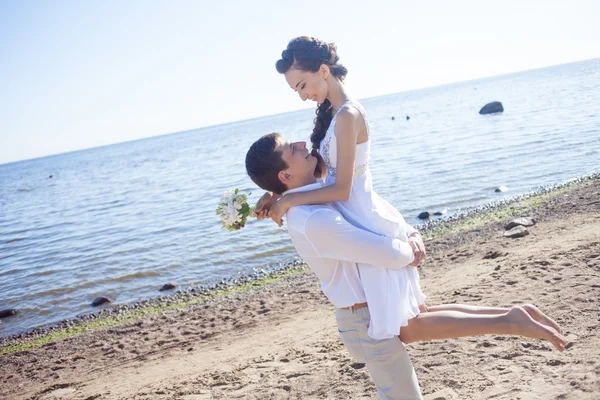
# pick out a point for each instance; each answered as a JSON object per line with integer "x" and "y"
{"x": 529, "y": 327}
{"x": 540, "y": 317}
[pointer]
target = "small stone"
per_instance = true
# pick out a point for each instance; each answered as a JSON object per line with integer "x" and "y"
{"x": 167, "y": 286}
{"x": 98, "y": 301}
{"x": 516, "y": 232}
{"x": 8, "y": 313}
{"x": 424, "y": 215}
{"x": 519, "y": 222}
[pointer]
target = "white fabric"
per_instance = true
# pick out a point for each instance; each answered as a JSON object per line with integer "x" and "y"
{"x": 387, "y": 360}
{"x": 393, "y": 295}
{"x": 332, "y": 247}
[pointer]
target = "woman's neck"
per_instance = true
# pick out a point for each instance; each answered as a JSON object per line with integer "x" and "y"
{"x": 337, "y": 94}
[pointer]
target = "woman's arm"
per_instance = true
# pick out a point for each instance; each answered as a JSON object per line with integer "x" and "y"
{"x": 346, "y": 132}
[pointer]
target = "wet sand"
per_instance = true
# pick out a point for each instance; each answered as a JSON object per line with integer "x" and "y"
{"x": 277, "y": 339}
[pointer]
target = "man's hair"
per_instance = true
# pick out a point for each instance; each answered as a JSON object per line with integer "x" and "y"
{"x": 263, "y": 163}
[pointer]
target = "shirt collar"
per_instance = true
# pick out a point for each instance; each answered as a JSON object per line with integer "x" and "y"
{"x": 317, "y": 185}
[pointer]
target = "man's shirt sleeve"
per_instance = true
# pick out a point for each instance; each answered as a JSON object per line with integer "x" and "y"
{"x": 334, "y": 237}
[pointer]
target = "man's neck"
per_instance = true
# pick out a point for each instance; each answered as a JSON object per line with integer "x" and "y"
{"x": 298, "y": 188}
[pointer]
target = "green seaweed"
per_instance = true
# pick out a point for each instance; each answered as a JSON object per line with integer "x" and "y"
{"x": 503, "y": 213}
{"x": 469, "y": 222}
{"x": 139, "y": 313}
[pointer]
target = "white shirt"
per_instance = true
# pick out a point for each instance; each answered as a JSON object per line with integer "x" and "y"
{"x": 332, "y": 247}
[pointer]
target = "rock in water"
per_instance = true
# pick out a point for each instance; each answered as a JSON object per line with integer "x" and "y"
{"x": 501, "y": 189}
{"x": 8, "y": 313}
{"x": 393, "y": 118}
{"x": 424, "y": 215}
{"x": 167, "y": 286}
{"x": 517, "y": 232}
{"x": 492, "y": 108}
{"x": 407, "y": 118}
{"x": 98, "y": 301}
{"x": 519, "y": 222}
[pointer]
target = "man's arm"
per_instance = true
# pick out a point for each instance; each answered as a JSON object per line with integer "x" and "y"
{"x": 334, "y": 237}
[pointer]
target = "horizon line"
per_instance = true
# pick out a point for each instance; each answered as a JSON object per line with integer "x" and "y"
{"x": 292, "y": 111}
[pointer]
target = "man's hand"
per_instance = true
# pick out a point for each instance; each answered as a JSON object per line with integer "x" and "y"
{"x": 416, "y": 242}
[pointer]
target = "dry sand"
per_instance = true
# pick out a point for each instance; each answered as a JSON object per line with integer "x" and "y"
{"x": 280, "y": 341}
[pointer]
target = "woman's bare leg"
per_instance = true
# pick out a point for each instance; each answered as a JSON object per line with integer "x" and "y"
{"x": 448, "y": 324}
{"x": 464, "y": 308}
{"x": 532, "y": 310}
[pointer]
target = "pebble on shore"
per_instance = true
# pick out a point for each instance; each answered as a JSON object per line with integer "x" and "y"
{"x": 167, "y": 286}
{"x": 98, "y": 301}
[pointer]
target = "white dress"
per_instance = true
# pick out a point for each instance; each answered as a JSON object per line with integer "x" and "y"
{"x": 393, "y": 295}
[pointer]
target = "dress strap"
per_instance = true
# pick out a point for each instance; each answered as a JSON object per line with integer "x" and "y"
{"x": 360, "y": 109}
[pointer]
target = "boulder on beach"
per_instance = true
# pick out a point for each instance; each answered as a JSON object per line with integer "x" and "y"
{"x": 8, "y": 313}
{"x": 427, "y": 214}
{"x": 519, "y": 222}
{"x": 424, "y": 215}
{"x": 517, "y": 232}
{"x": 167, "y": 286}
{"x": 98, "y": 301}
{"x": 492, "y": 108}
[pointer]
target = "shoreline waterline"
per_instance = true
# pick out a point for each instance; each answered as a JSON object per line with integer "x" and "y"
{"x": 118, "y": 314}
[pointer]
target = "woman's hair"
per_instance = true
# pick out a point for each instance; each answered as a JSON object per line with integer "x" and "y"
{"x": 308, "y": 54}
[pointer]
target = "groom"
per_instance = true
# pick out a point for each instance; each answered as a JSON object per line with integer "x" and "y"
{"x": 332, "y": 247}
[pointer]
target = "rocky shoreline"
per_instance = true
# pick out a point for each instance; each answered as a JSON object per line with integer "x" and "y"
{"x": 444, "y": 230}
{"x": 273, "y": 335}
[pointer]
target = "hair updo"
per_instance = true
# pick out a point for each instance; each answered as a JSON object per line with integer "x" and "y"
{"x": 308, "y": 54}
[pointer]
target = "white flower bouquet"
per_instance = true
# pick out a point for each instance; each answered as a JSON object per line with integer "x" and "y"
{"x": 234, "y": 210}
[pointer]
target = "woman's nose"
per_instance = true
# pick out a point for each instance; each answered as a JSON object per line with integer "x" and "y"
{"x": 303, "y": 96}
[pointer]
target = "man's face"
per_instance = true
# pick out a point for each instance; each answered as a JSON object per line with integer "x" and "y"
{"x": 301, "y": 164}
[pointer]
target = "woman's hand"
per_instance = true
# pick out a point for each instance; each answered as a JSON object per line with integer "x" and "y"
{"x": 264, "y": 204}
{"x": 278, "y": 210}
{"x": 416, "y": 242}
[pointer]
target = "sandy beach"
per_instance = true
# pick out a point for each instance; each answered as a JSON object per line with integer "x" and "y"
{"x": 277, "y": 338}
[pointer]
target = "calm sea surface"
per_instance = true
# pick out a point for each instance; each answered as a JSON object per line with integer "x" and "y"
{"x": 122, "y": 220}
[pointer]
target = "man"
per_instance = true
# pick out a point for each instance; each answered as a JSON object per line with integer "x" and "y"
{"x": 332, "y": 247}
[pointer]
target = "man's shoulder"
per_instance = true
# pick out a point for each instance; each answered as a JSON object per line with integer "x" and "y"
{"x": 299, "y": 215}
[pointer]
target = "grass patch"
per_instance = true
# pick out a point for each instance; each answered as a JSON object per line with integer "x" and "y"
{"x": 481, "y": 218}
{"x": 136, "y": 314}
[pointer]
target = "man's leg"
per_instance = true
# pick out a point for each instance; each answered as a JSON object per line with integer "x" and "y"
{"x": 387, "y": 360}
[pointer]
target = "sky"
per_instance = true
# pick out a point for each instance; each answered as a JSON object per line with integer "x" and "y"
{"x": 82, "y": 74}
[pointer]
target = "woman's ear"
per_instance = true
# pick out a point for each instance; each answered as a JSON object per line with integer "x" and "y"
{"x": 324, "y": 71}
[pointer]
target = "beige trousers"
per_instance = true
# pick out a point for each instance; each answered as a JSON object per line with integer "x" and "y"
{"x": 387, "y": 360}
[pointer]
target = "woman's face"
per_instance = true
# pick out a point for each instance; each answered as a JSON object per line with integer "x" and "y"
{"x": 309, "y": 85}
